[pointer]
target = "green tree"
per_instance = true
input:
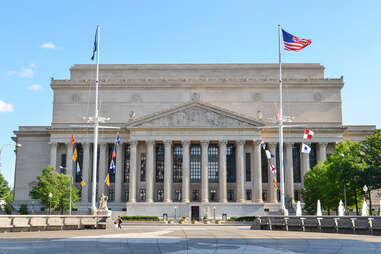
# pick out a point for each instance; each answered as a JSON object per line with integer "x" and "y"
{"x": 59, "y": 185}
{"x": 4, "y": 188}
{"x": 370, "y": 150}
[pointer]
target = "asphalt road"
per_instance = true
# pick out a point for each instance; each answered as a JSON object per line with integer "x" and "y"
{"x": 186, "y": 239}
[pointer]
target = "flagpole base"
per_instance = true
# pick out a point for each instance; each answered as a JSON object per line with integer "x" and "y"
{"x": 93, "y": 211}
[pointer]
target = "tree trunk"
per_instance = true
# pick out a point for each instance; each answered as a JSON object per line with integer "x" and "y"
{"x": 370, "y": 203}
{"x": 357, "y": 205}
{"x": 329, "y": 212}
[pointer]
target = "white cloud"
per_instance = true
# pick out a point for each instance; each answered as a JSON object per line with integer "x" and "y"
{"x": 35, "y": 87}
{"x": 25, "y": 73}
{"x": 32, "y": 65}
{"x": 4, "y": 107}
{"x": 49, "y": 45}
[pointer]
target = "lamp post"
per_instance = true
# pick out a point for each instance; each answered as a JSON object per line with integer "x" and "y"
{"x": 71, "y": 183}
{"x": 4, "y": 145}
{"x": 345, "y": 190}
{"x": 50, "y": 202}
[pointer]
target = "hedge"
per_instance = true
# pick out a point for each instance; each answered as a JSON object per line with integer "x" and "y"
{"x": 242, "y": 218}
{"x": 140, "y": 218}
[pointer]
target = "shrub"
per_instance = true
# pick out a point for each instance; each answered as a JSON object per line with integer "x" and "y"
{"x": 140, "y": 218}
{"x": 23, "y": 209}
{"x": 242, "y": 218}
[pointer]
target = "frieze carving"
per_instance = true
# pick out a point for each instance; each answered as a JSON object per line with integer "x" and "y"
{"x": 195, "y": 117}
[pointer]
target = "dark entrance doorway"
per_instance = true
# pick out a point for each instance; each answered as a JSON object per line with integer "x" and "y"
{"x": 195, "y": 215}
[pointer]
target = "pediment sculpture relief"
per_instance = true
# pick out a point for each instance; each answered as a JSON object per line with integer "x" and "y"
{"x": 195, "y": 117}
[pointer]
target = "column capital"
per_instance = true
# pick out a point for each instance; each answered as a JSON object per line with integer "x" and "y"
{"x": 185, "y": 142}
{"x": 257, "y": 142}
{"x": 204, "y": 142}
{"x": 240, "y": 142}
{"x": 289, "y": 144}
{"x": 167, "y": 142}
{"x": 133, "y": 142}
{"x": 150, "y": 142}
{"x": 323, "y": 144}
{"x": 223, "y": 142}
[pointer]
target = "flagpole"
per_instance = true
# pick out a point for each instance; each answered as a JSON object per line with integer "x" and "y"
{"x": 283, "y": 208}
{"x": 95, "y": 148}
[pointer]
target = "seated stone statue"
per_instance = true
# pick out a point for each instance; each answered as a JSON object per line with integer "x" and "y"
{"x": 102, "y": 205}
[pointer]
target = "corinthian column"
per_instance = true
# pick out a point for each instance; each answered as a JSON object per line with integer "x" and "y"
{"x": 322, "y": 155}
{"x": 305, "y": 164}
{"x": 132, "y": 180}
{"x": 167, "y": 171}
{"x": 149, "y": 171}
{"x": 204, "y": 171}
{"x": 69, "y": 160}
{"x": 102, "y": 168}
{"x": 86, "y": 171}
{"x": 186, "y": 176}
{"x": 118, "y": 173}
{"x": 289, "y": 172}
{"x": 53, "y": 155}
{"x": 240, "y": 171}
{"x": 257, "y": 183}
{"x": 272, "y": 177}
{"x": 222, "y": 171}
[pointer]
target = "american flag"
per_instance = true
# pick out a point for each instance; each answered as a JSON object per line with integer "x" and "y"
{"x": 294, "y": 43}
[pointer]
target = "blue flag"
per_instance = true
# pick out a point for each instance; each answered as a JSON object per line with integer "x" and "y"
{"x": 117, "y": 139}
{"x": 112, "y": 166}
{"x": 95, "y": 44}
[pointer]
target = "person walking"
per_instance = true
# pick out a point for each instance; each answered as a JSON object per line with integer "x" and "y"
{"x": 119, "y": 222}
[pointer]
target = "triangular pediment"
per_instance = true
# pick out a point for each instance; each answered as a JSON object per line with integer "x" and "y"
{"x": 195, "y": 115}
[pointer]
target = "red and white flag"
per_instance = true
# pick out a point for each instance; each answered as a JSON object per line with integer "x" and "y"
{"x": 273, "y": 169}
{"x": 308, "y": 134}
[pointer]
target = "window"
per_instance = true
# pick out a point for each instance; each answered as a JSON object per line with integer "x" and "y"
{"x": 265, "y": 166}
{"x": 178, "y": 195}
{"x": 248, "y": 166}
{"x": 278, "y": 195}
{"x": 213, "y": 195}
{"x": 230, "y": 195}
{"x": 177, "y": 163}
{"x": 230, "y": 163}
{"x": 296, "y": 163}
{"x": 213, "y": 163}
{"x": 196, "y": 195}
{"x": 248, "y": 194}
{"x": 160, "y": 195}
{"x": 142, "y": 194}
{"x": 127, "y": 163}
{"x": 111, "y": 195}
{"x": 195, "y": 163}
{"x": 111, "y": 151}
{"x": 264, "y": 195}
{"x": 78, "y": 165}
{"x": 143, "y": 162}
{"x": 313, "y": 158}
{"x": 126, "y": 195}
{"x": 63, "y": 163}
{"x": 159, "y": 163}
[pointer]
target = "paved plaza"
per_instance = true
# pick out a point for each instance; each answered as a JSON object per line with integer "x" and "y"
{"x": 185, "y": 239}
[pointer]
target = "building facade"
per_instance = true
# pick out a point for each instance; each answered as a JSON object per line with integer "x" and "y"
{"x": 190, "y": 136}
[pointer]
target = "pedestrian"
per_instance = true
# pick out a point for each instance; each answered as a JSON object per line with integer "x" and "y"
{"x": 119, "y": 222}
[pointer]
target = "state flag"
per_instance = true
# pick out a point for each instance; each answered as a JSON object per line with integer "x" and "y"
{"x": 308, "y": 134}
{"x": 273, "y": 169}
{"x": 263, "y": 144}
{"x": 306, "y": 148}
{"x": 82, "y": 183}
{"x": 107, "y": 180}
{"x": 112, "y": 166}
{"x": 78, "y": 168}
{"x": 268, "y": 154}
{"x": 117, "y": 141}
{"x": 274, "y": 184}
{"x": 74, "y": 154}
{"x": 113, "y": 153}
{"x": 72, "y": 141}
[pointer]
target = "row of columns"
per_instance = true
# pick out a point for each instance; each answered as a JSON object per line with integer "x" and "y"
{"x": 240, "y": 168}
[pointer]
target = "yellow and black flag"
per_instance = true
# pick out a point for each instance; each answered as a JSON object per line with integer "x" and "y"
{"x": 75, "y": 154}
{"x": 107, "y": 180}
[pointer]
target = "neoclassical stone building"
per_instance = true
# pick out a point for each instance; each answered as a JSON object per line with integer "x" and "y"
{"x": 190, "y": 136}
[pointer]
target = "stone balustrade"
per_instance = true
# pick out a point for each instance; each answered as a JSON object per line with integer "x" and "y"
{"x": 328, "y": 224}
{"x": 49, "y": 222}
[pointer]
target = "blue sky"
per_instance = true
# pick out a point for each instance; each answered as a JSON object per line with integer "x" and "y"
{"x": 43, "y": 39}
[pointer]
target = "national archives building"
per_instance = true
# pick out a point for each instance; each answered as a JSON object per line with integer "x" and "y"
{"x": 190, "y": 136}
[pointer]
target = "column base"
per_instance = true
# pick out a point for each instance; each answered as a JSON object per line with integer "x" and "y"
{"x": 149, "y": 201}
{"x": 205, "y": 201}
{"x": 241, "y": 201}
{"x": 131, "y": 201}
{"x": 186, "y": 201}
{"x": 258, "y": 201}
{"x": 168, "y": 201}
